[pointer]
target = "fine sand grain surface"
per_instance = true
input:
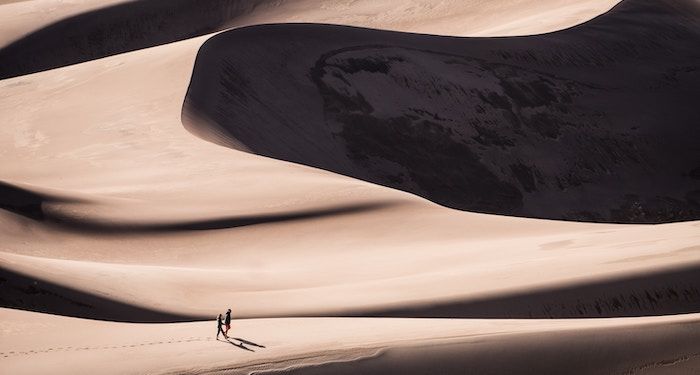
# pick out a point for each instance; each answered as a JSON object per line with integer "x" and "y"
{"x": 153, "y": 174}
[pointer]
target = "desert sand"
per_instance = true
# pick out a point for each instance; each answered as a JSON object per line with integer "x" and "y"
{"x": 154, "y": 174}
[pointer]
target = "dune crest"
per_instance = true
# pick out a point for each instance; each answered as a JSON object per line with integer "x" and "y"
{"x": 116, "y": 221}
{"x": 592, "y": 123}
{"x": 120, "y": 26}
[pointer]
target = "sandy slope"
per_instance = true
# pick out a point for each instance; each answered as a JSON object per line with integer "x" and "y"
{"x": 127, "y": 216}
{"x": 21, "y": 17}
{"x": 595, "y": 123}
{"x": 120, "y": 26}
{"x": 355, "y": 345}
{"x": 618, "y": 272}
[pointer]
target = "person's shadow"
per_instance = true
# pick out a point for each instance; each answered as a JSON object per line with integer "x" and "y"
{"x": 240, "y": 346}
{"x": 243, "y": 343}
{"x": 248, "y": 342}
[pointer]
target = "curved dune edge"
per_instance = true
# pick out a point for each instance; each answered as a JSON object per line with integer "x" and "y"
{"x": 669, "y": 292}
{"x": 502, "y": 126}
{"x": 100, "y": 31}
{"x": 612, "y": 281}
{"x": 37, "y": 206}
{"x": 514, "y": 354}
{"x": 101, "y": 188}
{"x": 28, "y": 293}
{"x": 365, "y": 345}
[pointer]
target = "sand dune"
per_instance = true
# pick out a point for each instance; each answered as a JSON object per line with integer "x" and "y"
{"x": 619, "y": 272}
{"x": 120, "y": 26}
{"x": 661, "y": 345}
{"x": 111, "y": 210}
{"x": 591, "y": 123}
{"x": 651, "y": 293}
{"x": 19, "y": 18}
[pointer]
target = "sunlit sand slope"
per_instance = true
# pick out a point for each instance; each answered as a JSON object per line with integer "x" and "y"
{"x": 121, "y": 182}
{"x": 288, "y": 269}
{"x": 111, "y": 210}
{"x": 43, "y": 34}
{"x": 658, "y": 345}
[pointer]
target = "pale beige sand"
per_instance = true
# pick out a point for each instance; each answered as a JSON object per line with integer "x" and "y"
{"x": 474, "y": 17}
{"x": 20, "y": 17}
{"x": 38, "y": 38}
{"x": 107, "y": 135}
{"x": 352, "y": 345}
{"x": 123, "y": 110}
{"x": 344, "y": 274}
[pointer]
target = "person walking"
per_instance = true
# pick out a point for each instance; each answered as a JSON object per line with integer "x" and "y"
{"x": 227, "y": 322}
{"x": 219, "y": 327}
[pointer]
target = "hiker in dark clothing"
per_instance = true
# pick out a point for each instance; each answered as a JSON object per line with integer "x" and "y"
{"x": 219, "y": 329}
{"x": 227, "y": 321}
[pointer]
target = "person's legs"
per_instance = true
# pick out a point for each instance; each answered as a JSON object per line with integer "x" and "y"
{"x": 228, "y": 326}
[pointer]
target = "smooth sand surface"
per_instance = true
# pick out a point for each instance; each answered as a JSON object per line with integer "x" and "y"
{"x": 43, "y": 34}
{"x": 581, "y": 124}
{"x": 21, "y": 17}
{"x": 385, "y": 274}
{"x": 112, "y": 210}
{"x": 352, "y": 345}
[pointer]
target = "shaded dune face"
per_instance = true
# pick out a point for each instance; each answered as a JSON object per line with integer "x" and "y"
{"x": 660, "y": 293}
{"x": 595, "y": 123}
{"x": 618, "y": 353}
{"x": 667, "y": 292}
{"x": 117, "y": 29}
{"x": 39, "y": 207}
{"x": 26, "y": 292}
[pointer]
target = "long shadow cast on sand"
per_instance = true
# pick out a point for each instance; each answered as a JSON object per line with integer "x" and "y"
{"x": 25, "y": 292}
{"x": 247, "y": 342}
{"x": 31, "y": 204}
{"x": 593, "y": 123}
{"x": 665, "y": 292}
{"x": 117, "y": 29}
{"x": 240, "y": 346}
{"x": 597, "y": 122}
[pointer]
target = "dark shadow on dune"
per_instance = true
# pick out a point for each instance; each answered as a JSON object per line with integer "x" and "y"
{"x": 240, "y": 346}
{"x": 248, "y": 342}
{"x": 652, "y": 349}
{"x": 117, "y": 29}
{"x": 121, "y": 228}
{"x": 24, "y": 292}
{"x": 593, "y": 123}
{"x": 25, "y": 202}
{"x": 31, "y": 205}
{"x": 668, "y": 292}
